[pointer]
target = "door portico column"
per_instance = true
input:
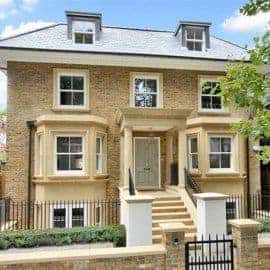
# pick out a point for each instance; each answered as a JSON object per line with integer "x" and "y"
{"x": 128, "y": 160}
{"x": 169, "y": 156}
{"x": 182, "y": 157}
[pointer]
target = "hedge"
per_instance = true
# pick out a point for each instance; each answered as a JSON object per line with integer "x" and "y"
{"x": 65, "y": 236}
{"x": 265, "y": 225}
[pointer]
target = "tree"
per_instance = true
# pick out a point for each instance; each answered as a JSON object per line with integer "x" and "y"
{"x": 2, "y": 116}
{"x": 248, "y": 89}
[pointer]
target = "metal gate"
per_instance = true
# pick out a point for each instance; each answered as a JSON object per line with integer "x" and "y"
{"x": 209, "y": 254}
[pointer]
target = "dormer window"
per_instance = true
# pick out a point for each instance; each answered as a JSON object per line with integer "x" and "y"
{"x": 194, "y": 39}
{"x": 84, "y": 38}
{"x": 195, "y": 36}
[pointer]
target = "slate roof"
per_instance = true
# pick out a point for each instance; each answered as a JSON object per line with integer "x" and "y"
{"x": 117, "y": 40}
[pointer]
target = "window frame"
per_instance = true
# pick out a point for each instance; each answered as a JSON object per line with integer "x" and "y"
{"x": 221, "y": 170}
{"x": 191, "y": 169}
{"x": 68, "y": 208}
{"x": 202, "y": 79}
{"x": 151, "y": 76}
{"x": 194, "y": 40}
{"x": 57, "y": 90}
{"x": 69, "y": 172}
{"x": 84, "y": 33}
{"x": 100, "y": 155}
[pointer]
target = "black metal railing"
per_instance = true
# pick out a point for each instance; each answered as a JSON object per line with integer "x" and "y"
{"x": 255, "y": 206}
{"x": 49, "y": 214}
{"x": 210, "y": 253}
{"x": 131, "y": 184}
{"x": 191, "y": 185}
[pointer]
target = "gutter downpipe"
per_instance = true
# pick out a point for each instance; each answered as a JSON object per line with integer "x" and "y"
{"x": 30, "y": 125}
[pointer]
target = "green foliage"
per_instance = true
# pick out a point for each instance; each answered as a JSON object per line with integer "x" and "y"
{"x": 3, "y": 115}
{"x": 60, "y": 237}
{"x": 255, "y": 6}
{"x": 265, "y": 225}
{"x": 247, "y": 89}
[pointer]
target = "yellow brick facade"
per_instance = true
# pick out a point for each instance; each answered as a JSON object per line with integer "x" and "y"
{"x": 31, "y": 95}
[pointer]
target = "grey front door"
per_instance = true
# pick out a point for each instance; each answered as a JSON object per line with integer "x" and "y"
{"x": 146, "y": 162}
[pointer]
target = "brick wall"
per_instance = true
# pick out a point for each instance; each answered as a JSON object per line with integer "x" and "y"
{"x": 31, "y": 95}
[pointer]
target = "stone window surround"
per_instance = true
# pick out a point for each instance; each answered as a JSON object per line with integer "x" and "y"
{"x": 39, "y": 153}
{"x": 103, "y": 136}
{"x": 189, "y": 137}
{"x": 68, "y": 215}
{"x": 233, "y": 154}
{"x": 147, "y": 75}
{"x": 211, "y": 78}
{"x": 57, "y": 72}
{"x": 84, "y": 147}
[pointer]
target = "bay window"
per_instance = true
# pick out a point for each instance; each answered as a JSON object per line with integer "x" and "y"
{"x": 69, "y": 153}
{"x": 220, "y": 152}
{"x": 99, "y": 154}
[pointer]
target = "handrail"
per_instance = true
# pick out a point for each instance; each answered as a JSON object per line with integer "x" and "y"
{"x": 191, "y": 185}
{"x": 131, "y": 184}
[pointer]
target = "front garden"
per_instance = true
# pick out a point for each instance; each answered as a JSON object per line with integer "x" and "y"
{"x": 66, "y": 236}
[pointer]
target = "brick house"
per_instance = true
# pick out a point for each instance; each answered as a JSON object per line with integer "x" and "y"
{"x": 101, "y": 101}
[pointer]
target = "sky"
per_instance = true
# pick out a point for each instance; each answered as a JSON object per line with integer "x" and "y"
{"x": 17, "y": 16}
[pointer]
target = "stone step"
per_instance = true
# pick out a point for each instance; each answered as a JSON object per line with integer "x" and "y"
{"x": 186, "y": 221}
{"x": 168, "y": 203}
{"x": 157, "y": 230}
{"x": 167, "y": 198}
{"x": 165, "y": 209}
{"x": 156, "y": 216}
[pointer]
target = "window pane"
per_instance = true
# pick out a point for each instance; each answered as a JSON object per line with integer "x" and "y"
{"x": 193, "y": 145}
{"x": 151, "y": 85}
{"x": 198, "y": 46}
{"x": 214, "y": 145}
{"x": 194, "y": 160}
{"x": 65, "y": 82}
{"x": 98, "y": 145}
{"x": 77, "y": 217}
{"x": 65, "y": 98}
{"x": 215, "y": 88}
{"x": 190, "y": 45}
{"x": 206, "y": 88}
{"x": 216, "y": 102}
{"x": 62, "y": 144}
{"x": 198, "y": 34}
{"x": 62, "y": 162}
{"x": 88, "y": 38}
{"x": 78, "y": 38}
{"x": 76, "y": 162}
{"x": 78, "y": 83}
{"x": 206, "y": 102}
{"x": 190, "y": 33}
{"x": 78, "y": 99}
{"x": 98, "y": 164}
{"x": 226, "y": 161}
{"x": 214, "y": 161}
{"x": 231, "y": 210}
{"x": 98, "y": 216}
{"x": 145, "y": 100}
{"x": 59, "y": 216}
{"x": 75, "y": 145}
{"x": 140, "y": 86}
{"x": 225, "y": 145}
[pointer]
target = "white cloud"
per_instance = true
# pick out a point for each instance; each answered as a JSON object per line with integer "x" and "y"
{"x": 5, "y": 2}
{"x": 29, "y": 4}
{"x": 10, "y": 30}
{"x": 241, "y": 23}
{"x": 3, "y": 90}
